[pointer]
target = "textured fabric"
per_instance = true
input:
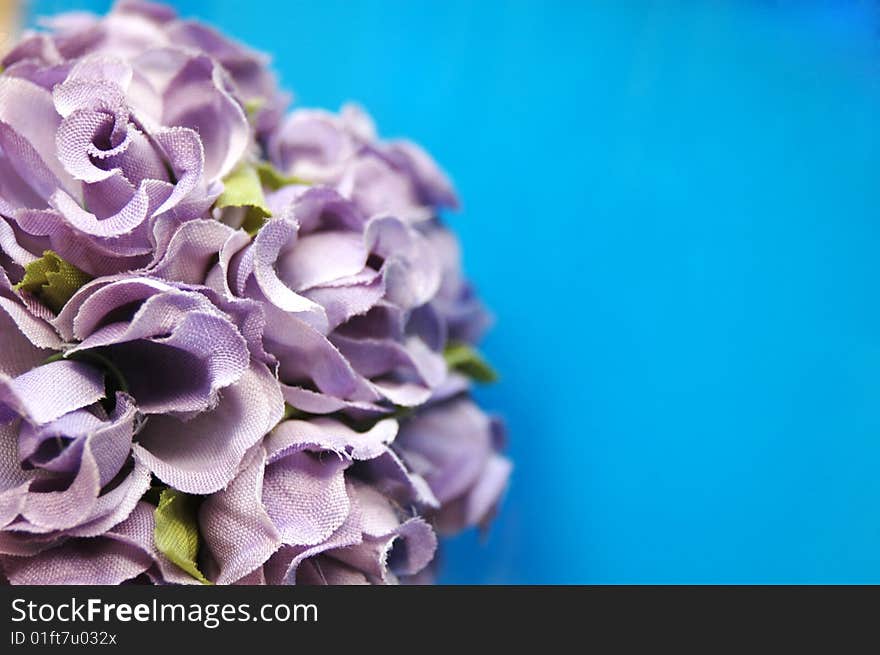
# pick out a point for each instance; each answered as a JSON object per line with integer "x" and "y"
{"x": 305, "y": 497}
{"x": 114, "y": 557}
{"x": 235, "y": 347}
{"x": 52, "y": 279}
{"x": 202, "y": 454}
{"x": 331, "y": 435}
{"x": 243, "y": 188}
{"x": 176, "y": 532}
{"x": 35, "y": 395}
{"x": 342, "y": 151}
{"x": 238, "y": 531}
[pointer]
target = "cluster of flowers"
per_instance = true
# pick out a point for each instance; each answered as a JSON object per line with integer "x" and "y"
{"x": 236, "y": 345}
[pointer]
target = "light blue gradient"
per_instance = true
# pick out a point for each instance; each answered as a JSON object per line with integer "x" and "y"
{"x": 672, "y": 209}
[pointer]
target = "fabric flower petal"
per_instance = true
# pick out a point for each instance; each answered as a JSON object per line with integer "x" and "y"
{"x": 202, "y": 455}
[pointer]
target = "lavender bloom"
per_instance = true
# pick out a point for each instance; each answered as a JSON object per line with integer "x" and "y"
{"x": 343, "y": 296}
{"x": 296, "y": 502}
{"x": 134, "y": 27}
{"x": 101, "y": 151}
{"x": 65, "y": 457}
{"x": 221, "y": 323}
{"x": 343, "y": 151}
{"x": 197, "y": 429}
{"x": 463, "y": 315}
{"x": 455, "y": 447}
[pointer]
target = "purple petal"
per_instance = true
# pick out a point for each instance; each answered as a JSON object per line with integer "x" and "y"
{"x": 330, "y": 435}
{"x": 270, "y": 240}
{"x": 202, "y": 455}
{"x": 305, "y": 496}
{"x": 320, "y": 258}
{"x": 102, "y": 561}
{"x": 191, "y": 252}
{"x": 35, "y": 395}
{"x": 237, "y": 530}
{"x": 475, "y": 506}
{"x": 114, "y": 506}
{"x": 57, "y": 510}
{"x": 24, "y": 339}
{"x": 177, "y": 336}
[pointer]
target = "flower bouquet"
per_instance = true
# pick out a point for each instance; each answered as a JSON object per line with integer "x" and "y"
{"x": 236, "y": 345}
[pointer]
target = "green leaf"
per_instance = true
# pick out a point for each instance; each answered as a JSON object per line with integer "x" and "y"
{"x": 464, "y": 359}
{"x": 242, "y": 188}
{"x": 274, "y": 179}
{"x": 52, "y": 280}
{"x": 253, "y": 106}
{"x": 177, "y": 533}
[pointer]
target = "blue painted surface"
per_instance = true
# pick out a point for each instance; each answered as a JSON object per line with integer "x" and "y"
{"x": 672, "y": 209}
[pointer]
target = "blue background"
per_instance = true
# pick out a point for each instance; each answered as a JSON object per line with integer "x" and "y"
{"x": 672, "y": 209}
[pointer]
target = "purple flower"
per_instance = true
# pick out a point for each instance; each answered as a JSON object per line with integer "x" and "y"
{"x": 455, "y": 447}
{"x": 345, "y": 302}
{"x": 106, "y": 151}
{"x": 234, "y": 348}
{"x": 217, "y": 396}
{"x": 134, "y": 27}
{"x": 300, "y": 498}
{"x": 456, "y": 302}
{"x": 343, "y": 151}
{"x": 66, "y": 468}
